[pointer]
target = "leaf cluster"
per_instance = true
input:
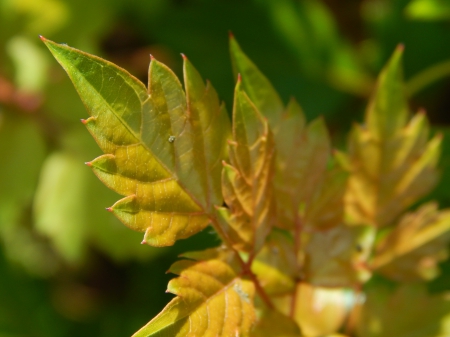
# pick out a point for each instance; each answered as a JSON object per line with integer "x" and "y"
{"x": 305, "y": 229}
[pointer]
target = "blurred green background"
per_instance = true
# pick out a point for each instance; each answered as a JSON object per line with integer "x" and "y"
{"x": 68, "y": 267}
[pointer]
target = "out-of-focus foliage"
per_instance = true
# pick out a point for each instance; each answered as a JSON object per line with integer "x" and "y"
{"x": 63, "y": 259}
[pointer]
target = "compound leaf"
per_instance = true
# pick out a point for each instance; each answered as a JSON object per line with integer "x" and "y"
{"x": 247, "y": 180}
{"x": 163, "y": 147}
{"x": 413, "y": 249}
{"x": 213, "y": 299}
{"x": 391, "y": 162}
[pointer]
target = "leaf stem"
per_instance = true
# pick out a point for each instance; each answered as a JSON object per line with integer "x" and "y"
{"x": 299, "y": 264}
{"x": 246, "y": 267}
{"x": 426, "y": 77}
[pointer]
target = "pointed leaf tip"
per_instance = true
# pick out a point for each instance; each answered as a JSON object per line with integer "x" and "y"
{"x": 83, "y": 121}
{"x": 88, "y": 163}
{"x": 230, "y": 34}
{"x": 184, "y": 57}
{"x": 42, "y": 38}
{"x": 109, "y": 209}
{"x": 239, "y": 78}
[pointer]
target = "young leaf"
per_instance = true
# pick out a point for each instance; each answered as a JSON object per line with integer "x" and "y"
{"x": 414, "y": 248}
{"x": 247, "y": 182}
{"x": 213, "y": 299}
{"x": 256, "y": 85}
{"x": 343, "y": 262}
{"x": 302, "y": 152}
{"x": 163, "y": 148}
{"x": 392, "y": 164}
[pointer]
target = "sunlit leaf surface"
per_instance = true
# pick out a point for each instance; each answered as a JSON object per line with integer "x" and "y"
{"x": 163, "y": 147}
{"x": 213, "y": 299}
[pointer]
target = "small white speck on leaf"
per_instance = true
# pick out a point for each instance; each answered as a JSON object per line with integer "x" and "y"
{"x": 171, "y": 139}
{"x": 242, "y": 294}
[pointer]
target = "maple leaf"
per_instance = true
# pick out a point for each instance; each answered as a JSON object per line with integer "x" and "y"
{"x": 413, "y": 249}
{"x": 246, "y": 181}
{"x": 213, "y": 298}
{"x": 391, "y": 162}
{"x": 163, "y": 146}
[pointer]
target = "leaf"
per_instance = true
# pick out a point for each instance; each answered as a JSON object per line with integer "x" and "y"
{"x": 213, "y": 299}
{"x": 275, "y": 265}
{"x": 337, "y": 257}
{"x": 163, "y": 148}
{"x": 391, "y": 162}
{"x": 406, "y": 310}
{"x": 413, "y": 249}
{"x": 303, "y": 152}
{"x": 246, "y": 182}
{"x": 273, "y": 323}
{"x": 257, "y": 86}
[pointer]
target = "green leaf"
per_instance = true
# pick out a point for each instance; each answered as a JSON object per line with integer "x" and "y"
{"x": 406, "y": 310}
{"x": 414, "y": 248}
{"x": 246, "y": 182}
{"x": 163, "y": 147}
{"x": 343, "y": 262}
{"x": 213, "y": 299}
{"x": 391, "y": 162}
